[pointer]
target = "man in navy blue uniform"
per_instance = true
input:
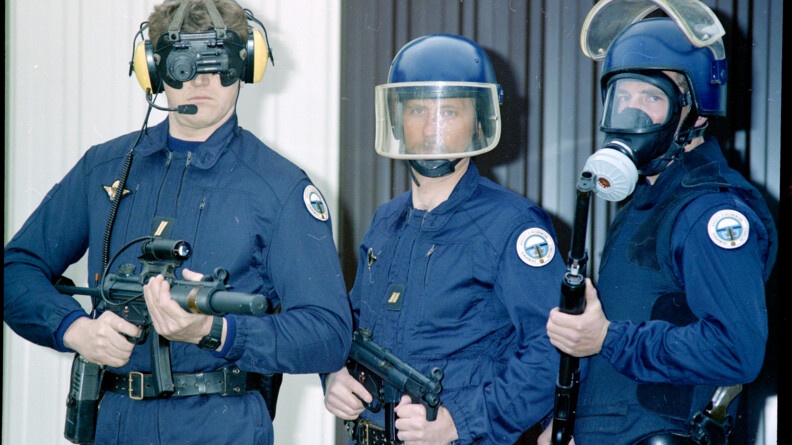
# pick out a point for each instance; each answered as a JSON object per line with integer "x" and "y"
{"x": 198, "y": 177}
{"x": 458, "y": 272}
{"x": 679, "y": 312}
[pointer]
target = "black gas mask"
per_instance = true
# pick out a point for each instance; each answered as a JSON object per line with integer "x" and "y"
{"x": 640, "y": 119}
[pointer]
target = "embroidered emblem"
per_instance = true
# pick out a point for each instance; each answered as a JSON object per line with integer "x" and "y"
{"x": 728, "y": 229}
{"x": 111, "y": 190}
{"x": 315, "y": 203}
{"x": 535, "y": 247}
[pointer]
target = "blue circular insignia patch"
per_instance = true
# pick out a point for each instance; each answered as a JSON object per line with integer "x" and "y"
{"x": 535, "y": 247}
{"x": 315, "y": 203}
{"x": 728, "y": 229}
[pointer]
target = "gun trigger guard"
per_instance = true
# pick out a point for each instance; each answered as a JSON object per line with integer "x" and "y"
{"x": 136, "y": 340}
{"x": 131, "y": 339}
{"x": 373, "y": 406}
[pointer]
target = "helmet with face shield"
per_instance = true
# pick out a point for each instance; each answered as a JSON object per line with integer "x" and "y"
{"x": 441, "y": 104}
{"x": 651, "y": 71}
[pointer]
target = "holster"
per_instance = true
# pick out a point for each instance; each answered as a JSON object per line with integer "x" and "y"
{"x": 269, "y": 387}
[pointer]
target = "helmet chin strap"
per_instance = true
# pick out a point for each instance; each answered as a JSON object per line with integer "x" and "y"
{"x": 432, "y": 168}
{"x": 687, "y": 132}
{"x": 657, "y": 165}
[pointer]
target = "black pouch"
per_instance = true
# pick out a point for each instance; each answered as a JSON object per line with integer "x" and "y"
{"x": 269, "y": 384}
{"x": 269, "y": 387}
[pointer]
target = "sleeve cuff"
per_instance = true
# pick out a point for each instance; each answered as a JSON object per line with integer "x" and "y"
{"x": 67, "y": 321}
{"x": 230, "y": 337}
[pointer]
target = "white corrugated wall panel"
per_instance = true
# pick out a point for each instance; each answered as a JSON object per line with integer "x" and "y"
{"x": 67, "y": 88}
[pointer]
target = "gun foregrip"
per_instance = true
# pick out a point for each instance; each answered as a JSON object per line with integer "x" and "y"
{"x": 573, "y": 294}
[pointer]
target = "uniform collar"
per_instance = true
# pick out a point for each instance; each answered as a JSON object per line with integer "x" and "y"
{"x": 440, "y": 215}
{"x": 696, "y": 168}
{"x": 206, "y": 156}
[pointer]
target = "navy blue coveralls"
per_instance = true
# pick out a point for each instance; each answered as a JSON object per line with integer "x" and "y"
{"x": 682, "y": 281}
{"x": 450, "y": 289}
{"x": 242, "y": 207}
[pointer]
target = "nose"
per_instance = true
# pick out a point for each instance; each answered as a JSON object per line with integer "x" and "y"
{"x": 432, "y": 123}
{"x": 201, "y": 80}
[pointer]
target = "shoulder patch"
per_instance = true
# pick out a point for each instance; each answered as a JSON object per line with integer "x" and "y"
{"x": 315, "y": 203}
{"x": 535, "y": 247}
{"x": 728, "y": 229}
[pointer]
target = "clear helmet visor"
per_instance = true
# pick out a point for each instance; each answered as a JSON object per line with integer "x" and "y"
{"x": 436, "y": 120}
{"x": 638, "y": 104}
{"x": 609, "y": 17}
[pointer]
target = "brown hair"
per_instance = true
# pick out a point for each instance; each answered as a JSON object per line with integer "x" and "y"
{"x": 196, "y": 18}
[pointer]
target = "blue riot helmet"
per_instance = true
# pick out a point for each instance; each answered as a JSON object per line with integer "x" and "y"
{"x": 441, "y": 104}
{"x": 644, "y": 53}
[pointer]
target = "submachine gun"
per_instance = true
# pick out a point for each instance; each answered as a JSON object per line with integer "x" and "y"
{"x": 387, "y": 378}
{"x": 122, "y": 293}
{"x": 573, "y": 301}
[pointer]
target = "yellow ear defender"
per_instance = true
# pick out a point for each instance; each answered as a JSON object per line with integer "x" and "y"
{"x": 257, "y": 54}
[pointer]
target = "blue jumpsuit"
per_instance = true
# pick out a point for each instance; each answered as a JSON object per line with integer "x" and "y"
{"x": 242, "y": 207}
{"x": 470, "y": 286}
{"x": 682, "y": 281}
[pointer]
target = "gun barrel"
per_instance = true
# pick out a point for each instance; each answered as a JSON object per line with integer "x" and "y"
{"x": 200, "y": 299}
{"x": 585, "y": 186}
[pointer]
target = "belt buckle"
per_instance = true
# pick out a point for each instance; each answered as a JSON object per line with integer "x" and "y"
{"x": 132, "y": 395}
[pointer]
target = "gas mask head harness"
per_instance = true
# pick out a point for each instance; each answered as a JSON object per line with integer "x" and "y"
{"x": 642, "y": 115}
{"x": 440, "y": 105}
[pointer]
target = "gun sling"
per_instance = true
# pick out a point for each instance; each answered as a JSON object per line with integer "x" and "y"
{"x": 228, "y": 381}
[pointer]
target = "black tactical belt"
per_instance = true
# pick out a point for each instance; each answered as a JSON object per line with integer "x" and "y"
{"x": 229, "y": 381}
{"x": 363, "y": 432}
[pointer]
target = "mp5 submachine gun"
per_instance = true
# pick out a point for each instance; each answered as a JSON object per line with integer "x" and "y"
{"x": 387, "y": 378}
{"x": 122, "y": 293}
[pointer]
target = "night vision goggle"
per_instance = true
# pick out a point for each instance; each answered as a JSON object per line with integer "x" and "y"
{"x": 200, "y": 53}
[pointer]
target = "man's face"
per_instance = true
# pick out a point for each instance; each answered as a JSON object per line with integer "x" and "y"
{"x": 214, "y": 101}
{"x": 643, "y": 96}
{"x": 439, "y": 126}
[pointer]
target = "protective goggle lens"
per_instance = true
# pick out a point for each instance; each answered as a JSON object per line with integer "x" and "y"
{"x": 636, "y": 103}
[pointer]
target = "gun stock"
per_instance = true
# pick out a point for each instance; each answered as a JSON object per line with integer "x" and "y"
{"x": 573, "y": 301}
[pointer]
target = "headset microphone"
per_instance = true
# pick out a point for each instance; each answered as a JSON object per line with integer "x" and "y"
{"x": 181, "y": 109}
